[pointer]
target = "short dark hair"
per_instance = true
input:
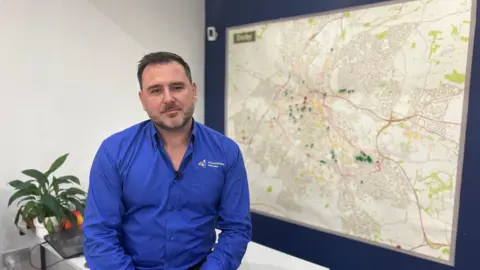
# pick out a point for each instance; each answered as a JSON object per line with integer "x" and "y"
{"x": 161, "y": 58}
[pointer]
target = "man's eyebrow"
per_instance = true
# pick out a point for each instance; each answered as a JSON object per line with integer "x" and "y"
{"x": 153, "y": 86}
{"x": 157, "y": 85}
{"x": 178, "y": 84}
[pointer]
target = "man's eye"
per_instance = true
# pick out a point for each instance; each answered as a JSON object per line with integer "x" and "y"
{"x": 178, "y": 88}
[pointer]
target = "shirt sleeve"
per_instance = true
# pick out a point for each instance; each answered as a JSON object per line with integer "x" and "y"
{"x": 103, "y": 215}
{"x": 234, "y": 219}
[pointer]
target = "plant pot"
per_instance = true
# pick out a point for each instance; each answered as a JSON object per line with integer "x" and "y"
{"x": 29, "y": 224}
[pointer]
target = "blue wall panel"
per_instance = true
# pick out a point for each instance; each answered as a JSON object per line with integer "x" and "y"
{"x": 336, "y": 252}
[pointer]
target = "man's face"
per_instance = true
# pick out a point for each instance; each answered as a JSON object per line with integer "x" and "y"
{"x": 167, "y": 95}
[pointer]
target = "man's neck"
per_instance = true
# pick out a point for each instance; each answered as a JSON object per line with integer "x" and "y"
{"x": 178, "y": 138}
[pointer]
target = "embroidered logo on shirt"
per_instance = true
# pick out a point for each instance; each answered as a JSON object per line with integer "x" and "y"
{"x": 204, "y": 163}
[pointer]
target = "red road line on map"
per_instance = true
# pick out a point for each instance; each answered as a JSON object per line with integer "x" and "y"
{"x": 406, "y": 177}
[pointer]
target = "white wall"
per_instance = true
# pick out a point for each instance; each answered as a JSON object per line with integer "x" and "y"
{"x": 68, "y": 78}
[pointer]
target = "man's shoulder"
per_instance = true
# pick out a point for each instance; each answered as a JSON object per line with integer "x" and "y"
{"x": 220, "y": 143}
{"x": 211, "y": 134}
{"x": 125, "y": 136}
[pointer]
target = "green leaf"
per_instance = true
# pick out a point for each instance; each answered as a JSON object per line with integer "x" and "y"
{"x": 23, "y": 193}
{"x": 55, "y": 185}
{"x": 56, "y": 164}
{"x": 52, "y": 205}
{"x": 77, "y": 203}
{"x": 68, "y": 179}
{"x": 17, "y": 216}
{"x": 29, "y": 198}
{"x": 41, "y": 178}
{"x": 73, "y": 191}
{"x": 17, "y": 184}
{"x": 40, "y": 215}
{"x": 30, "y": 209}
{"x": 49, "y": 226}
{"x": 60, "y": 181}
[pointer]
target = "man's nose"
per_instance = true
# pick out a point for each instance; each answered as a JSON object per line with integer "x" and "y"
{"x": 167, "y": 95}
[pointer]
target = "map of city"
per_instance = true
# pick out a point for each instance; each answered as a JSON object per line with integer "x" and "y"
{"x": 352, "y": 122}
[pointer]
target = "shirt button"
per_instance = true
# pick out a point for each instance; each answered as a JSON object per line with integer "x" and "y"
{"x": 171, "y": 237}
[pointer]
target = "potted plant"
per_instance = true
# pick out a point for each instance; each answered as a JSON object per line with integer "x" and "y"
{"x": 44, "y": 200}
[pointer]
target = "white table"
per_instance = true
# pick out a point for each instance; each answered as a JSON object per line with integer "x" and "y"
{"x": 257, "y": 257}
{"x": 260, "y": 257}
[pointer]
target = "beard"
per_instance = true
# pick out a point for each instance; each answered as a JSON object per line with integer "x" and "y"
{"x": 175, "y": 127}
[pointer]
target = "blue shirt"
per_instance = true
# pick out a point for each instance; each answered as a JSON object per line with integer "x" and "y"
{"x": 142, "y": 214}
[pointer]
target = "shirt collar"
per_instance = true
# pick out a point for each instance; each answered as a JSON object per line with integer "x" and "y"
{"x": 156, "y": 136}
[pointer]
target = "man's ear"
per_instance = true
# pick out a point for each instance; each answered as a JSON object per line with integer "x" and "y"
{"x": 194, "y": 88}
{"x": 140, "y": 96}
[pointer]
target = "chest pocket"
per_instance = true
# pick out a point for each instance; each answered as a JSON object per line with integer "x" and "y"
{"x": 206, "y": 186}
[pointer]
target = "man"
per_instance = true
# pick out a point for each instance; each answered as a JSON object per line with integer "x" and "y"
{"x": 159, "y": 189}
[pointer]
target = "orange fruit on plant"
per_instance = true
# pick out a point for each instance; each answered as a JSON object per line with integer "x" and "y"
{"x": 79, "y": 217}
{"x": 67, "y": 224}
